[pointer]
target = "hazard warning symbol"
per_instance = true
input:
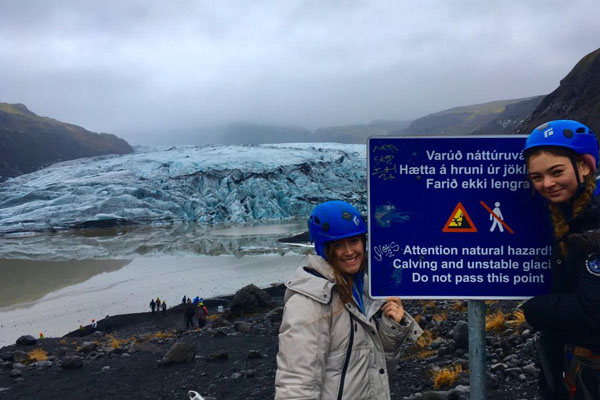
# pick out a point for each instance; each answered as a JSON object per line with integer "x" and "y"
{"x": 459, "y": 221}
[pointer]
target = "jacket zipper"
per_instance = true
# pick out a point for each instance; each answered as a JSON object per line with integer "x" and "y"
{"x": 348, "y": 354}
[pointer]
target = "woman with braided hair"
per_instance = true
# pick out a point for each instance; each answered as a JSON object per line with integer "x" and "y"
{"x": 561, "y": 158}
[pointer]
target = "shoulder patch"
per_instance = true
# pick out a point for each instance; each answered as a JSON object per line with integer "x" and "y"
{"x": 592, "y": 263}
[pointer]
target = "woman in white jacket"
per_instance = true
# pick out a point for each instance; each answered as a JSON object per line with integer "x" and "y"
{"x": 335, "y": 342}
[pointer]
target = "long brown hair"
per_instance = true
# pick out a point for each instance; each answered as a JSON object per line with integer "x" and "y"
{"x": 559, "y": 221}
{"x": 343, "y": 281}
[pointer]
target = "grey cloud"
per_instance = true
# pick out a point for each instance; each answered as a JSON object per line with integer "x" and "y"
{"x": 123, "y": 66}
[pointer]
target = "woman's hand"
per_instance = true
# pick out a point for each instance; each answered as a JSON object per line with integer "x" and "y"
{"x": 393, "y": 309}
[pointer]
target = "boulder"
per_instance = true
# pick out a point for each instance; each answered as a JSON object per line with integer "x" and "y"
{"x": 71, "y": 362}
{"x": 21, "y": 357}
{"x": 219, "y": 355}
{"x": 180, "y": 352}
{"x": 88, "y": 347}
{"x": 461, "y": 334}
{"x": 26, "y": 340}
{"x": 249, "y": 299}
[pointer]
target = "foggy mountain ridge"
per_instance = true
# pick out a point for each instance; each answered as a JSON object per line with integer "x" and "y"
{"x": 29, "y": 142}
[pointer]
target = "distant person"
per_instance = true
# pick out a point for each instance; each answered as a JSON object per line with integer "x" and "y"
{"x": 94, "y": 325}
{"x": 81, "y": 330}
{"x": 157, "y": 303}
{"x": 41, "y": 335}
{"x": 201, "y": 314}
{"x": 189, "y": 301}
{"x": 196, "y": 300}
{"x": 562, "y": 159}
{"x": 152, "y": 305}
{"x": 184, "y": 300}
{"x": 188, "y": 315}
{"x": 335, "y": 342}
{"x": 164, "y": 307}
{"x": 108, "y": 325}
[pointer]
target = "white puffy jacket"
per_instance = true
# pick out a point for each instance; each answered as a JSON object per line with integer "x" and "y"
{"x": 328, "y": 350}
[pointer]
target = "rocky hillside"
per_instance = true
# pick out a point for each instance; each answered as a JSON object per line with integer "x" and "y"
{"x": 29, "y": 142}
{"x": 233, "y": 356}
{"x": 577, "y": 97}
{"x": 496, "y": 117}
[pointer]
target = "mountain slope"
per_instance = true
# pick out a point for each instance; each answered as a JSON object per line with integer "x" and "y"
{"x": 29, "y": 142}
{"x": 577, "y": 97}
{"x": 468, "y": 120}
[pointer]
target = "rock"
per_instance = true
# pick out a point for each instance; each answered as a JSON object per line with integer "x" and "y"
{"x": 249, "y": 299}
{"x": 26, "y": 340}
{"x": 180, "y": 352}
{"x": 145, "y": 346}
{"x": 242, "y": 327}
{"x": 219, "y": 323}
{"x": 275, "y": 315}
{"x": 106, "y": 368}
{"x": 254, "y": 354}
{"x": 15, "y": 373}
{"x": 71, "y": 362}
{"x": 461, "y": 334}
{"x": 88, "y": 347}
{"x": 530, "y": 369}
{"x": 219, "y": 355}
{"x": 42, "y": 364}
{"x": 21, "y": 357}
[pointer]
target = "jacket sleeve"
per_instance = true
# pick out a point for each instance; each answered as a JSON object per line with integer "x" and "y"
{"x": 303, "y": 345}
{"x": 393, "y": 335}
{"x": 577, "y": 310}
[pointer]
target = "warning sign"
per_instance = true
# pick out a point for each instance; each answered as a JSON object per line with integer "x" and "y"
{"x": 459, "y": 221}
{"x": 455, "y": 217}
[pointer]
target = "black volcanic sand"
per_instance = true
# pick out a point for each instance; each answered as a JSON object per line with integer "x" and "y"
{"x": 247, "y": 346}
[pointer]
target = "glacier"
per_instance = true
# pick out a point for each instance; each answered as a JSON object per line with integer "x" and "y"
{"x": 201, "y": 185}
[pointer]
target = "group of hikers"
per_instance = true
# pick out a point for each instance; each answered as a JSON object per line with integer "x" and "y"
{"x": 336, "y": 342}
{"x": 158, "y": 305}
{"x": 194, "y": 309}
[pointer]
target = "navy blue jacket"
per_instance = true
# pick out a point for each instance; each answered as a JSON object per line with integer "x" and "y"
{"x": 571, "y": 311}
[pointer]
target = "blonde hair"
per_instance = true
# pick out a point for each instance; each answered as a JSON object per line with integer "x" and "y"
{"x": 344, "y": 282}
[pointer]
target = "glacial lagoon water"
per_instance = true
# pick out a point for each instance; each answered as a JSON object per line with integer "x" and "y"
{"x": 53, "y": 282}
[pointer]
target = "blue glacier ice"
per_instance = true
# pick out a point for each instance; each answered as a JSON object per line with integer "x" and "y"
{"x": 203, "y": 185}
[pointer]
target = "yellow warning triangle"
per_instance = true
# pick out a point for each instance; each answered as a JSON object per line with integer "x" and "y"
{"x": 459, "y": 221}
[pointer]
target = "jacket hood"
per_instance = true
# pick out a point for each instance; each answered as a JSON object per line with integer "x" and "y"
{"x": 315, "y": 280}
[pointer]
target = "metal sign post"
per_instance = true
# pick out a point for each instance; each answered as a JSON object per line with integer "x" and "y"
{"x": 477, "y": 371}
{"x": 456, "y": 218}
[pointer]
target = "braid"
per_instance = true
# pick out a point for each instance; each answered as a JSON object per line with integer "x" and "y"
{"x": 561, "y": 227}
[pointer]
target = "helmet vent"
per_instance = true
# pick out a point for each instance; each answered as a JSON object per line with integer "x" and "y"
{"x": 316, "y": 219}
{"x": 580, "y": 130}
{"x": 568, "y": 133}
{"x": 347, "y": 216}
{"x": 325, "y": 227}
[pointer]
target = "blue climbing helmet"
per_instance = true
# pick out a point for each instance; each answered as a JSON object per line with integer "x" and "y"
{"x": 334, "y": 220}
{"x": 564, "y": 133}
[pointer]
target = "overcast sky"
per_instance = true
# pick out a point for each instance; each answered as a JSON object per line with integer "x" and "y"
{"x": 126, "y": 67}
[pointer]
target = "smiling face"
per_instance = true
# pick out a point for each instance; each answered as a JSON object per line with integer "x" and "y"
{"x": 348, "y": 254}
{"x": 553, "y": 176}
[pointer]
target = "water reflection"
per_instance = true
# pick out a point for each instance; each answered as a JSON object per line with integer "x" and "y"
{"x": 25, "y": 281}
{"x": 132, "y": 242}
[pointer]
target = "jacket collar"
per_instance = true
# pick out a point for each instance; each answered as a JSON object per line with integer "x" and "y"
{"x": 315, "y": 280}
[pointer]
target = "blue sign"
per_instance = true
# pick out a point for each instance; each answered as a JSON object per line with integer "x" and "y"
{"x": 455, "y": 217}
